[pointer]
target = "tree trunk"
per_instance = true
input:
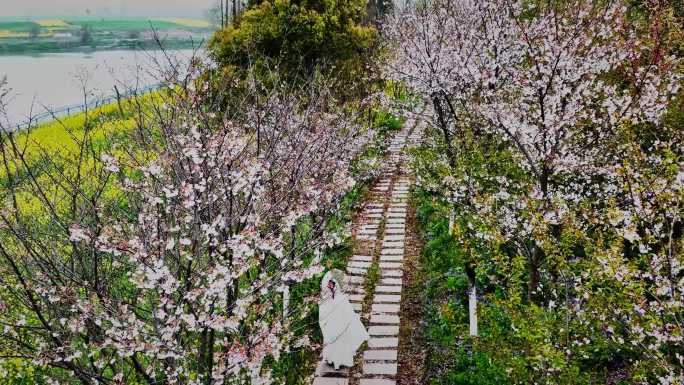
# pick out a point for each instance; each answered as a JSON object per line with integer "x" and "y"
{"x": 445, "y": 130}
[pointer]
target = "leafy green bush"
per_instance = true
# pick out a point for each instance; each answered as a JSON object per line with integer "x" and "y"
{"x": 475, "y": 368}
{"x": 296, "y": 37}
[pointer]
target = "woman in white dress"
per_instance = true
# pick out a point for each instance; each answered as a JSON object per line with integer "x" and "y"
{"x": 343, "y": 332}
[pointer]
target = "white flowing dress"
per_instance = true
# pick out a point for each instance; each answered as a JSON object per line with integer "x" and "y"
{"x": 343, "y": 332}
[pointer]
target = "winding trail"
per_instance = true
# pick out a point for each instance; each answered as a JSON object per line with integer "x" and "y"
{"x": 375, "y": 272}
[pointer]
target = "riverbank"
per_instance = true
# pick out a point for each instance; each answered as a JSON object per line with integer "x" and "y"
{"x": 24, "y": 47}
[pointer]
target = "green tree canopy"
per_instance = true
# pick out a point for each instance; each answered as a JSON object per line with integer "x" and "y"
{"x": 298, "y": 36}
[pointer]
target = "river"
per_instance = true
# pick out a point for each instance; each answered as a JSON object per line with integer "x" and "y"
{"x": 51, "y": 81}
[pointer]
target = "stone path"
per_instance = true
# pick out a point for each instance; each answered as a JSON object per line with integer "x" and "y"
{"x": 380, "y": 359}
{"x": 374, "y": 274}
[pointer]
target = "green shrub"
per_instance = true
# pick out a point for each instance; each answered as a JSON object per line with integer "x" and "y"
{"x": 296, "y": 37}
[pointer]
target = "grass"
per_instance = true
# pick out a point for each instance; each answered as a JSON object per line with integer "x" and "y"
{"x": 17, "y": 26}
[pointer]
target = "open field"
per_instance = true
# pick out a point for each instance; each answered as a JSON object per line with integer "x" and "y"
{"x": 51, "y": 23}
{"x": 61, "y": 35}
{"x": 126, "y": 25}
{"x": 194, "y": 23}
{"x": 17, "y": 26}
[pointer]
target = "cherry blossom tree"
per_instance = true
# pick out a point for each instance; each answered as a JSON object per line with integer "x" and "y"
{"x": 560, "y": 92}
{"x": 164, "y": 263}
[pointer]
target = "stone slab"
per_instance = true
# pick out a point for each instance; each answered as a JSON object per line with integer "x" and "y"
{"x": 401, "y": 220}
{"x": 356, "y": 271}
{"x": 380, "y": 355}
{"x": 367, "y": 237}
{"x": 356, "y": 297}
{"x": 388, "y": 289}
{"x": 390, "y": 281}
{"x": 393, "y": 298}
{"x": 359, "y": 264}
{"x": 331, "y": 381}
{"x": 368, "y": 232}
{"x": 394, "y": 238}
{"x": 393, "y": 244}
{"x": 377, "y": 381}
{"x": 355, "y": 279}
{"x": 383, "y": 342}
{"x": 390, "y": 265}
{"x": 395, "y": 231}
{"x": 391, "y": 251}
{"x": 391, "y": 273}
{"x": 380, "y": 368}
{"x": 379, "y": 308}
{"x": 364, "y": 258}
{"x": 373, "y": 235}
{"x": 391, "y": 258}
{"x": 383, "y": 330}
{"x": 395, "y": 226}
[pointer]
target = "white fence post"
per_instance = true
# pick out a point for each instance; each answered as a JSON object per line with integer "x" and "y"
{"x": 452, "y": 219}
{"x": 286, "y": 301}
{"x": 472, "y": 308}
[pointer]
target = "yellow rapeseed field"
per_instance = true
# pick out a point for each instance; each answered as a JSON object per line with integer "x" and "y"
{"x": 5, "y": 33}
{"x": 194, "y": 23}
{"x": 51, "y": 23}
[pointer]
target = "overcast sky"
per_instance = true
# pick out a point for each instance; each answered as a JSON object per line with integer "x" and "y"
{"x": 105, "y": 8}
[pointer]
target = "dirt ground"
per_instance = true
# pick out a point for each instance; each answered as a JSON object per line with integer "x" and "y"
{"x": 412, "y": 347}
